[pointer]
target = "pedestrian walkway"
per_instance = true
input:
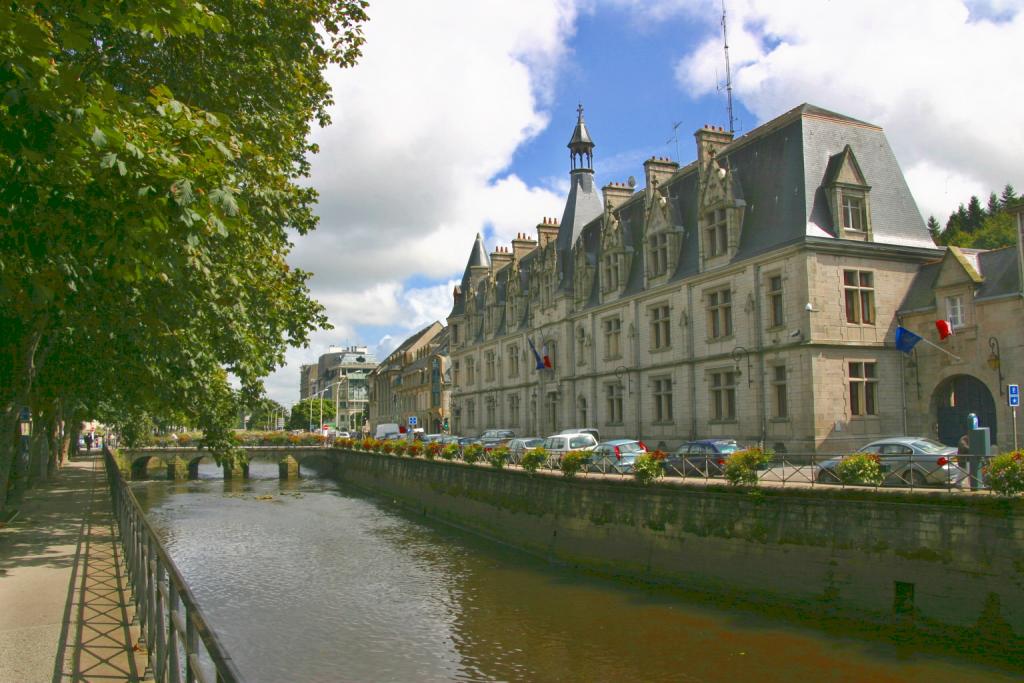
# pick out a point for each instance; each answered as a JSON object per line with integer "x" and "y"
{"x": 64, "y": 598}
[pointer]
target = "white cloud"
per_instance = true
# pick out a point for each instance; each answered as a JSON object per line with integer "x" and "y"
{"x": 938, "y": 75}
{"x": 415, "y": 161}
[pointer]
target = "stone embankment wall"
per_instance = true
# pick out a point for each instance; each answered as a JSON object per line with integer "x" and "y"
{"x": 954, "y": 563}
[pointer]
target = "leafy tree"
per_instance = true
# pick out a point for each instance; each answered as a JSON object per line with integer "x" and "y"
{"x": 265, "y": 413}
{"x": 307, "y": 413}
{"x": 994, "y": 230}
{"x": 151, "y": 154}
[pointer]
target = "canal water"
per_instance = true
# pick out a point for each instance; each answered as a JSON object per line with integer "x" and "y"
{"x": 316, "y": 581}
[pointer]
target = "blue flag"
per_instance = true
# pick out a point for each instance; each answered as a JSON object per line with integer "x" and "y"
{"x": 905, "y": 339}
{"x": 536, "y": 356}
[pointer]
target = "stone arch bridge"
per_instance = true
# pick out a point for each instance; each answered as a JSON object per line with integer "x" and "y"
{"x": 183, "y": 462}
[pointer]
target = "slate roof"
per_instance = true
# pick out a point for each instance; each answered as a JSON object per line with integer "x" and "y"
{"x": 998, "y": 269}
{"x": 778, "y": 171}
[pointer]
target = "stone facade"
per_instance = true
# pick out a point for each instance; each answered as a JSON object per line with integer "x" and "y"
{"x": 980, "y": 293}
{"x": 414, "y": 381}
{"x": 751, "y": 294}
{"x": 341, "y": 376}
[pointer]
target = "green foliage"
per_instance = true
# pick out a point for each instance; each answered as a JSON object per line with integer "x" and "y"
{"x": 1004, "y": 474}
{"x": 415, "y": 449}
{"x": 472, "y": 453}
{"x": 136, "y": 430}
{"x": 533, "y": 459}
{"x": 498, "y": 457}
{"x": 863, "y": 469}
{"x": 153, "y": 154}
{"x": 573, "y": 462}
{"x": 977, "y": 227}
{"x": 741, "y": 466}
{"x": 647, "y": 468}
{"x": 307, "y": 412}
{"x": 450, "y": 451}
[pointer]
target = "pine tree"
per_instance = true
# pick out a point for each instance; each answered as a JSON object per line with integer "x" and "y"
{"x": 1009, "y": 195}
{"x": 975, "y": 214}
{"x": 994, "y": 205}
{"x": 935, "y": 229}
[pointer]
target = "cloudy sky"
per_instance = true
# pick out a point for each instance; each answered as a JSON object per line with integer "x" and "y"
{"x": 456, "y": 118}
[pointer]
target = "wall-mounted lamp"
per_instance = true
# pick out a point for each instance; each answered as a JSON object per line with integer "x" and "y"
{"x": 796, "y": 334}
{"x": 736, "y": 353}
{"x": 995, "y": 360}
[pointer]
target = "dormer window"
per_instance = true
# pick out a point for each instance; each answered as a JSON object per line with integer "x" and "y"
{"x": 610, "y": 278}
{"x": 716, "y": 231}
{"x": 659, "y": 255}
{"x": 848, "y": 196}
{"x": 854, "y": 217}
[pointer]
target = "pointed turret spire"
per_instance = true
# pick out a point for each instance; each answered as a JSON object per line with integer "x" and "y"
{"x": 581, "y": 147}
{"x": 479, "y": 260}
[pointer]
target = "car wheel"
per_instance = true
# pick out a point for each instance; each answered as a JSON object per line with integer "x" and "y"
{"x": 824, "y": 476}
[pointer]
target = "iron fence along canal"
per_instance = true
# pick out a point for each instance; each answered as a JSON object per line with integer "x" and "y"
{"x": 180, "y": 644}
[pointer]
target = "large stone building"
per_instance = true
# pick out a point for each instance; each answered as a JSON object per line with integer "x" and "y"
{"x": 414, "y": 381}
{"x": 341, "y": 376}
{"x": 752, "y": 293}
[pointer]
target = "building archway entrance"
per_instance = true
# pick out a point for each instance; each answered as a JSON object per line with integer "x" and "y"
{"x": 954, "y": 399}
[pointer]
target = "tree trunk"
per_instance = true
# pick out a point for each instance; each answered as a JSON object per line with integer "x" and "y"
{"x": 8, "y": 451}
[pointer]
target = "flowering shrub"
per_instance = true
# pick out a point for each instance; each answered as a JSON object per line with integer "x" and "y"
{"x": 367, "y": 444}
{"x": 344, "y": 442}
{"x": 741, "y": 466}
{"x": 386, "y": 446}
{"x": 184, "y": 439}
{"x": 433, "y": 450}
{"x": 415, "y": 449}
{"x": 450, "y": 451}
{"x": 533, "y": 459}
{"x": 472, "y": 453}
{"x": 573, "y": 462}
{"x": 647, "y": 467}
{"x": 498, "y": 457}
{"x": 1005, "y": 473}
{"x": 860, "y": 468}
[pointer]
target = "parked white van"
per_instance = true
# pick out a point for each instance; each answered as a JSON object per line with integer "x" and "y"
{"x": 386, "y": 428}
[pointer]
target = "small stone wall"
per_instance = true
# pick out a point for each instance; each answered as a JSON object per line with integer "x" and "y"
{"x": 951, "y": 564}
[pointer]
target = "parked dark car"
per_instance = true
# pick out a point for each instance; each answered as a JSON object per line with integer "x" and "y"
{"x": 701, "y": 458}
{"x": 492, "y": 438}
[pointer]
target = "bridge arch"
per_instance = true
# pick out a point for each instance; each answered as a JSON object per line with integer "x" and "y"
{"x": 143, "y": 467}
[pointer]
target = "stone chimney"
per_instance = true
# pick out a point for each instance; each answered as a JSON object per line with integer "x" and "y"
{"x": 522, "y": 245}
{"x": 657, "y": 170}
{"x": 500, "y": 257}
{"x": 710, "y": 141}
{"x": 547, "y": 230}
{"x": 616, "y": 194}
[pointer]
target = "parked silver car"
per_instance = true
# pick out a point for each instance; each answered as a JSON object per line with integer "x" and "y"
{"x": 560, "y": 444}
{"x": 617, "y": 455}
{"x": 521, "y": 445}
{"x": 905, "y": 461}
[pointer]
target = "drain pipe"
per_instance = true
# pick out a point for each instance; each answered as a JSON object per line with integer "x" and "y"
{"x": 759, "y": 350}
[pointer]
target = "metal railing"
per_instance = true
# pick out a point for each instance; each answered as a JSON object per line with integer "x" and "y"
{"x": 808, "y": 470}
{"x": 180, "y": 645}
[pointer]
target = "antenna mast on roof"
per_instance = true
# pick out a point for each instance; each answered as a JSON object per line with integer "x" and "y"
{"x": 728, "y": 71}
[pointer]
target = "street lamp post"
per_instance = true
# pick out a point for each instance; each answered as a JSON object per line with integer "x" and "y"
{"x": 25, "y": 432}
{"x": 995, "y": 361}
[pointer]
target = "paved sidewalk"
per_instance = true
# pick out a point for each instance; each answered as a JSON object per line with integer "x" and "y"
{"x": 64, "y": 612}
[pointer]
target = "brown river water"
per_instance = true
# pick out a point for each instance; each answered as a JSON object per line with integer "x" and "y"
{"x": 316, "y": 581}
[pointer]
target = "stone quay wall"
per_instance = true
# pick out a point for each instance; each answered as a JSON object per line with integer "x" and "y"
{"x": 952, "y": 563}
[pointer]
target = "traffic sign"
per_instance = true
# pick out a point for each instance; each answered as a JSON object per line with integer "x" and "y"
{"x": 1013, "y": 395}
{"x": 412, "y": 420}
